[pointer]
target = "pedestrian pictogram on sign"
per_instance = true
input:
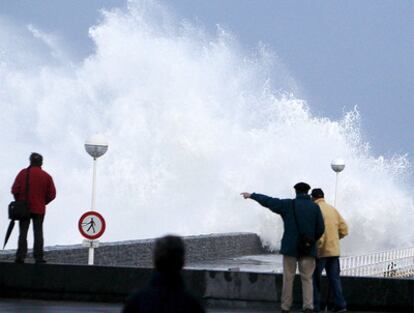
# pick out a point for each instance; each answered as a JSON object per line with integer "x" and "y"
{"x": 91, "y": 225}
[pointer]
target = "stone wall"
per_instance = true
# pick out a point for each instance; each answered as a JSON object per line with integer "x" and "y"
{"x": 139, "y": 252}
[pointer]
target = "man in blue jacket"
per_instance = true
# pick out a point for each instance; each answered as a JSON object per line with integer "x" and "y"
{"x": 308, "y": 222}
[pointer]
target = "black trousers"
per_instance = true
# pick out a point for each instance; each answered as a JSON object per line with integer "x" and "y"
{"x": 38, "y": 237}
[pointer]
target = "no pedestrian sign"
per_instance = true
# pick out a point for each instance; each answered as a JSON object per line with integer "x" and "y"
{"x": 91, "y": 225}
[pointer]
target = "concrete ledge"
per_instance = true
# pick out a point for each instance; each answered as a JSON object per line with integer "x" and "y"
{"x": 77, "y": 282}
{"x": 361, "y": 293}
{"x": 113, "y": 284}
{"x": 379, "y": 293}
{"x": 139, "y": 252}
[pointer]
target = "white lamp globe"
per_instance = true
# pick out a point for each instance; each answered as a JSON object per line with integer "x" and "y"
{"x": 338, "y": 165}
{"x": 96, "y": 146}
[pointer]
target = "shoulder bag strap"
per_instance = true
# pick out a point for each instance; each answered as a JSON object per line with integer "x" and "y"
{"x": 26, "y": 194}
{"x": 294, "y": 215}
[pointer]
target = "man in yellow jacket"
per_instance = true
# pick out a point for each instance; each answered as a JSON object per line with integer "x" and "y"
{"x": 328, "y": 253}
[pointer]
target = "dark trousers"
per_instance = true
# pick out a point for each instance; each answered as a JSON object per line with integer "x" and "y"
{"x": 38, "y": 237}
{"x": 331, "y": 266}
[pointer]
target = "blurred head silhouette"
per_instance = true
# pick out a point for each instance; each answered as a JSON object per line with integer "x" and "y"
{"x": 169, "y": 254}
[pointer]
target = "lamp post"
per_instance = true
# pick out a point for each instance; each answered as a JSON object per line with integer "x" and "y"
{"x": 337, "y": 166}
{"x": 96, "y": 146}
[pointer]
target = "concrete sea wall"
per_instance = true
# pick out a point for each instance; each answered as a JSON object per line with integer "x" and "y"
{"x": 139, "y": 252}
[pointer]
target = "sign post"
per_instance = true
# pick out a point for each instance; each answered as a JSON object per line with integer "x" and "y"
{"x": 91, "y": 226}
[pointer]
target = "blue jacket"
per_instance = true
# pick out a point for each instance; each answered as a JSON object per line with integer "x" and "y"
{"x": 308, "y": 215}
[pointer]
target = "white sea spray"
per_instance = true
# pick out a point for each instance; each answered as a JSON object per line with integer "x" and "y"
{"x": 192, "y": 120}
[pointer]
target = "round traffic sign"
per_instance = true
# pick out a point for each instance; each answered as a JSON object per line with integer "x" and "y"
{"x": 91, "y": 225}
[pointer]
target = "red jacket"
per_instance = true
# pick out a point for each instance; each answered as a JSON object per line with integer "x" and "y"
{"x": 41, "y": 188}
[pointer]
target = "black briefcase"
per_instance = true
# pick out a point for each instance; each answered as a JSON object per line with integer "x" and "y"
{"x": 305, "y": 245}
{"x": 19, "y": 210}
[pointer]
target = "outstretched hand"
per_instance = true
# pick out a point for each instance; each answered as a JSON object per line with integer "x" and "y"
{"x": 246, "y": 195}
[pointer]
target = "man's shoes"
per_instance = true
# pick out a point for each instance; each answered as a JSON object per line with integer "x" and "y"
{"x": 284, "y": 311}
{"x": 307, "y": 311}
{"x": 40, "y": 261}
{"x": 339, "y": 310}
{"x": 19, "y": 261}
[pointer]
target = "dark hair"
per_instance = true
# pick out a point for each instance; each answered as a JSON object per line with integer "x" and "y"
{"x": 317, "y": 193}
{"x": 36, "y": 159}
{"x": 169, "y": 254}
{"x": 302, "y": 187}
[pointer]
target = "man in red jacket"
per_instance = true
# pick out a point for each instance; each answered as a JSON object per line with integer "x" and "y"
{"x": 41, "y": 192}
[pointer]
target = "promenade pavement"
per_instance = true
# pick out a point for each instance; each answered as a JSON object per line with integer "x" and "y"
{"x": 40, "y": 306}
{"x": 263, "y": 263}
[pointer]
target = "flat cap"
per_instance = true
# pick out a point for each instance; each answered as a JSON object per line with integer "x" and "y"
{"x": 302, "y": 187}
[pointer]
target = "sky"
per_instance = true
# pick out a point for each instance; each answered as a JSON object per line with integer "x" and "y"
{"x": 341, "y": 54}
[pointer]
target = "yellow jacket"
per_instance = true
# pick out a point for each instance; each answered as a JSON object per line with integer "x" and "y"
{"x": 335, "y": 229}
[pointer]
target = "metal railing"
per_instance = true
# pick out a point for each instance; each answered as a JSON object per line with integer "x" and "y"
{"x": 392, "y": 263}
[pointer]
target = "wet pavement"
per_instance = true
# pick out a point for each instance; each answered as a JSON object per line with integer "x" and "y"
{"x": 263, "y": 263}
{"x": 40, "y": 306}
